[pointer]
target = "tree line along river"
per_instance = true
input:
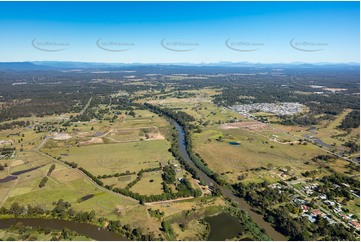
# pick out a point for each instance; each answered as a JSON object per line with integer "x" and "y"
{"x": 226, "y": 192}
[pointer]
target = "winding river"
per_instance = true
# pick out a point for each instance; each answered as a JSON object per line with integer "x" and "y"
{"x": 226, "y": 192}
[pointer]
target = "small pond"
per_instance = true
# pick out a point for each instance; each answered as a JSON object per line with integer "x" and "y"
{"x": 234, "y": 143}
{"x": 224, "y": 226}
{"x": 26, "y": 171}
{"x": 8, "y": 178}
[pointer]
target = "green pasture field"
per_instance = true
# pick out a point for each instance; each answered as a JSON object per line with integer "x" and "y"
{"x": 119, "y": 182}
{"x": 254, "y": 151}
{"x": 149, "y": 184}
{"x": 327, "y": 131}
{"x": 118, "y": 157}
{"x": 203, "y": 111}
{"x": 193, "y": 231}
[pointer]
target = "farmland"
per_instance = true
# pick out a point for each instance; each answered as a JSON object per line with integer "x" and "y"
{"x": 112, "y": 156}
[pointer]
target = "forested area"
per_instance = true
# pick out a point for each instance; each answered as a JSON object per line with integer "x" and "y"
{"x": 351, "y": 121}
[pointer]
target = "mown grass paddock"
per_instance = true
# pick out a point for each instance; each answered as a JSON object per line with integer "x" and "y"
{"x": 118, "y": 157}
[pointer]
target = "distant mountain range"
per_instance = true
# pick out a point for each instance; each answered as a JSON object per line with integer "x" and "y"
{"x": 66, "y": 65}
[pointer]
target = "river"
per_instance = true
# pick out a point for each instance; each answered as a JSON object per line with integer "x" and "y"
{"x": 92, "y": 231}
{"x": 226, "y": 192}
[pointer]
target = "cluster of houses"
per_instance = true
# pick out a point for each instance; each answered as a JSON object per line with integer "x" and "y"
{"x": 285, "y": 108}
{"x": 311, "y": 215}
{"x": 348, "y": 218}
{"x": 335, "y": 206}
{"x": 309, "y": 189}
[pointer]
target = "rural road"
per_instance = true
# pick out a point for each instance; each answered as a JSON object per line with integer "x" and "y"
{"x": 86, "y": 106}
{"x": 169, "y": 201}
{"x": 85, "y": 176}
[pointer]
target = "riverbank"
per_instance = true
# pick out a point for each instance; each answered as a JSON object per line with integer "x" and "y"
{"x": 89, "y": 230}
{"x": 225, "y": 191}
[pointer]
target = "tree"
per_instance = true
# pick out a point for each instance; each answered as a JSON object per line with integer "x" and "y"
{"x": 169, "y": 174}
{"x": 43, "y": 182}
{"x": 269, "y": 166}
{"x": 52, "y": 167}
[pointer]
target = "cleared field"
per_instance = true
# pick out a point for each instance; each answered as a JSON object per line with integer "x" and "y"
{"x": 68, "y": 185}
{"x": 205, "y": 111}
{"x": 21, "y": 138}
{"x": 119, "y": 157}
{"x": 194, "y": 230}
{"x": 172, "y": 209}
{"x": 337, "y": 121}
{"x": 65, "y": 183}
{"x": 254, "y": 150}
{"x": 125, "y": 135}
{"x": 149, "y": 184}
{"x": 326, "y": 131}
{"x": 119, "y": 182}
{"x": 143, "y": 118}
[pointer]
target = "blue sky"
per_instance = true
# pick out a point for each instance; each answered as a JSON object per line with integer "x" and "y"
{"x": 196, "y": 32}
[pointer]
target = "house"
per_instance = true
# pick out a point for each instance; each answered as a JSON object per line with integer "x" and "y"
{"x": 304, "y": 208}
{"x": 316, "y": 212}
{"x": 323, "y": 197}
{"x": 354, "y": 193}
{"x": 310, "y": 218}
{"x": 337, "y": 210}
{"x": 328, "y": 202}
{"x": 309, "y": 192}
{"x": 329, "y": 220}
{"x": 345, "y": 217}
{"x": 346, "y": 185}
{"x": 355, "y": 223}
{"x": 180, "y": 178}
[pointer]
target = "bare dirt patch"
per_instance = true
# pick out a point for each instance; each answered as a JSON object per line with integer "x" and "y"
{"x": 60, "y": 136}
{"x": 154, "y": 136}
{"x": 249, "y": 125}
{"x": 5, "y": 142}
{"x": 94, "y": 140}
{"x": 83, "y": 134}
{"x": 17, "y": 162}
